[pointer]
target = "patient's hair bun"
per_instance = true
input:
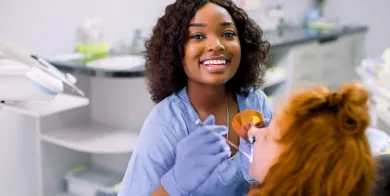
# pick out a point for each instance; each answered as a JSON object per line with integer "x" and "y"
{"x": 348, "y": 105}
{"x": 334, "y": 99}
{"x": 307, "y": 102}
{"x": 353, "y": 117}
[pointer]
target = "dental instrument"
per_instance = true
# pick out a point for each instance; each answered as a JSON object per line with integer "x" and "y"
{"x": 199, "y": 122}
{"x": 27, "y": 77}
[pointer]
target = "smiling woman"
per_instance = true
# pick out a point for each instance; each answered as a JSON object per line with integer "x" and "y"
{"x": 214, "y": 47}
{"x": 191, "y": 26}
{"x": 205, "y": 61}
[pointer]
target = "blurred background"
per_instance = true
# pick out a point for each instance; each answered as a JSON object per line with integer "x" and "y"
{"x": 80, "y": 145}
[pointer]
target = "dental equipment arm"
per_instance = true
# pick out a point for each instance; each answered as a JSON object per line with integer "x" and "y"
{"x": 36, "y": 69}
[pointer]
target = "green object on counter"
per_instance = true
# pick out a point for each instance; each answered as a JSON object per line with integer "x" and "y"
{"x": 93, "y": 58}
{"x": 77, "y": 168}
{"x": 93, "y": 49}
{"x": 320, "y": 25}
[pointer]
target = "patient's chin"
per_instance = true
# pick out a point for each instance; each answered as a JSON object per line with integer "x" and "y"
{"x": 256, "y": 173}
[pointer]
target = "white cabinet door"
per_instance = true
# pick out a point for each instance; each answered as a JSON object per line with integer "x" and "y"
{"x": 329, "y": 63}
{"x": 304, "y": 71}
{"x": 19, "y": 150}
{"x": 334, "y": 63}
{"x": 356, "y": 46}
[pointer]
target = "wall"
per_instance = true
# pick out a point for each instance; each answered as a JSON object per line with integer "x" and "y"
{"x": 375, "y": 14}
{"x": 294, "y": 9}
{"x": 48, "y": 27}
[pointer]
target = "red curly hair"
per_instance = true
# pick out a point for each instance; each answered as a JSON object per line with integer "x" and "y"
{"x": 326, "y": 151}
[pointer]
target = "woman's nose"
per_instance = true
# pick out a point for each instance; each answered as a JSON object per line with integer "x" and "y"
{"x": 215, "y": 45}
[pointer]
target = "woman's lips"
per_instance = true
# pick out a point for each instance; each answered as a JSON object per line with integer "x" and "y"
{"x": 215, "y": 65}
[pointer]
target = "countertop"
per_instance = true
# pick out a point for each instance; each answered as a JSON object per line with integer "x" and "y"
{"x": 294, "y": 36}
{"x": 290, "y": 37}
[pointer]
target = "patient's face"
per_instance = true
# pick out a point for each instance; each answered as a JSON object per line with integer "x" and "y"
{"x": 266, "y": 150}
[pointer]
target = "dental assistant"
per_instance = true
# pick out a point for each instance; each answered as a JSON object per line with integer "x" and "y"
{"x": 205, "y": 61}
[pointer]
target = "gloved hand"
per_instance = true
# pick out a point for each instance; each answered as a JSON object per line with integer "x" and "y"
{"x": 197, "y": 156}
{"x": 247, "y": 148}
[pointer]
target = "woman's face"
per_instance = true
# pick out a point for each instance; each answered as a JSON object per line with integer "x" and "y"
{"x": 212, "y": 52}
{"x": 266, "y": 150}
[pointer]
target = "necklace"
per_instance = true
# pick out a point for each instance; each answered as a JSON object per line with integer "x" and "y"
{"x": 227, "y": 116}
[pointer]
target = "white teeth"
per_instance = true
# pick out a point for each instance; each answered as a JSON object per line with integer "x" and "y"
{"x": 215, "y": 62}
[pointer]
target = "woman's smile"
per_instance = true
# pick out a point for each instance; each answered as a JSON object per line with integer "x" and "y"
{"x": 216, "y": 64}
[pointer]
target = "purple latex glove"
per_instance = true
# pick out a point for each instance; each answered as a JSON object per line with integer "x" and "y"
{"x": 197, "y": 156}
{"x": 247, "y": 148}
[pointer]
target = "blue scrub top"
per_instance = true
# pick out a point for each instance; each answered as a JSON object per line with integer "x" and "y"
{"x": 169, "y": 122}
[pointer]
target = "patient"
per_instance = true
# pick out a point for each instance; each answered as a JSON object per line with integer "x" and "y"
{"x": 316, "y": 146}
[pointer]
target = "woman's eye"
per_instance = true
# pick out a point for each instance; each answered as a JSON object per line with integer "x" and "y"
{"x": 197, "y": 36}
{"x": 229, "y": 34}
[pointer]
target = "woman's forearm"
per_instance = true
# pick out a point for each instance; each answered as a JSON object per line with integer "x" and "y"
{"x": 160, "y": 191}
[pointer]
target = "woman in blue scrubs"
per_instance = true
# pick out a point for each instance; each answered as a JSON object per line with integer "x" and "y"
{"x": 205, "y": 61}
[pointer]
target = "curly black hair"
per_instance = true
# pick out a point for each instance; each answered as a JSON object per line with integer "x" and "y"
{"x": 164, "y": 70}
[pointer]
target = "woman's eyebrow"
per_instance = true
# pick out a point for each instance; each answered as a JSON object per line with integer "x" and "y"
{"x": 229, "y": 23}
{"x": 197, "y": 25}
